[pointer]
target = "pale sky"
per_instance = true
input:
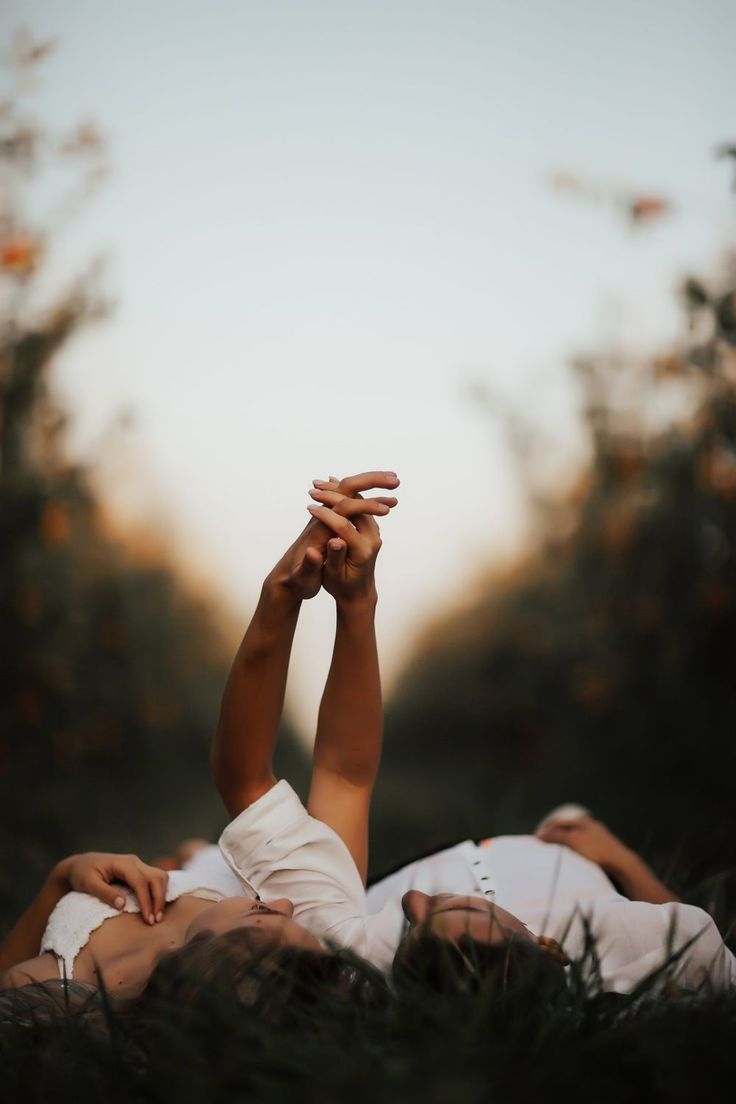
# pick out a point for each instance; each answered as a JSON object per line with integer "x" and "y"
{"x": 325, "y": 217}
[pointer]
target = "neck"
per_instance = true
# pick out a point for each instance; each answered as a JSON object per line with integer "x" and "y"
{"x": 124, "y": 953}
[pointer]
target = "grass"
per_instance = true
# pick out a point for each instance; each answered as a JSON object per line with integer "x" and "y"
{"x": 411, "y": 1045}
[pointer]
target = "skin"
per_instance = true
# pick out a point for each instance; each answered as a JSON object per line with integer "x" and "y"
{"x": 125, "y": 952}
{"x": 95, "y": 873}
{"x": 337, "y": 549}
{"x": 593, "y": 840}
{"x": 449, "y": 916}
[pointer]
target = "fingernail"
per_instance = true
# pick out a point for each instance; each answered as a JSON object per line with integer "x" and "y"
{"x": 159, "y": 917}
{"x": 151, "y": 919}
{"x": 312, "y": 508}
{"x": 320, "y": 482}
{"x": 119, "y": 902}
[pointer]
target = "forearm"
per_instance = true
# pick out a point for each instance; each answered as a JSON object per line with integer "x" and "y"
{"x": 24, "y": 940}
{"x": 253, "y": 699}
{"x": 638, "y": 881}
{"x": 350, "y": 721}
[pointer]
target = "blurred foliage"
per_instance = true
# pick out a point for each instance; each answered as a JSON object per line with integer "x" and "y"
{"x": 602, "y": 669}
{"x": 111, "y": 668}
{"x": 635, "y": 207}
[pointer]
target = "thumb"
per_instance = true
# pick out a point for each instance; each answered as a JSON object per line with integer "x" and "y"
{"x": 311, "y": 565}
{"x": 337, "y": 550}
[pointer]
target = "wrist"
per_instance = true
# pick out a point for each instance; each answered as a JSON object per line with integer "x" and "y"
{"x": 278, "y": 596}
{"x": 60, "y": 873}
{"x": 359, "y": 606}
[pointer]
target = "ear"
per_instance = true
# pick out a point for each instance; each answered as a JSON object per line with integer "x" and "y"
{"x": 553, "y": 948}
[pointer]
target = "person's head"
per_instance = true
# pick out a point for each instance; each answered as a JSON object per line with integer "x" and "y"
{"x": 242, "y": 954}
{"x": 270, "y": 924}
{"x": 466, "y": 943}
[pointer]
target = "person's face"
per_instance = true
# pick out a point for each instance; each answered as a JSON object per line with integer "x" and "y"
{"x": 267, "y": 920}
{"x": 450, "y": 916}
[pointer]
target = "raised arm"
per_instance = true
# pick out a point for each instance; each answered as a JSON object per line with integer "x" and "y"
{"x": 253, "y": 699}
{"x": 347, "y": 748}
{"x": 591, "y": 838}
{"x": 252, "y": 703}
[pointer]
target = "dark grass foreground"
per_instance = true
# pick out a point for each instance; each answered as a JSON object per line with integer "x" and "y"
{"x": 406, "y": 1046}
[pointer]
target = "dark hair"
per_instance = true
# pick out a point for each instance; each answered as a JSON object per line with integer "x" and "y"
{"x": 276, "y": 983}
{"x": 467, "y": 965}
{"x": 47, "y": 1002}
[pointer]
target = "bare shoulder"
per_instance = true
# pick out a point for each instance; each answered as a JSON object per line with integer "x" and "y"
{"x": 44, "y": 967}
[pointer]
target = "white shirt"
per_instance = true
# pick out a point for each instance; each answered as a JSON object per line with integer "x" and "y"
{"x": 278, "y": 850}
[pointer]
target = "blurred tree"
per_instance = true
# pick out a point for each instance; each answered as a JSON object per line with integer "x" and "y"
{"x": 603, "y": 668}
{"x": 110, "y": 668}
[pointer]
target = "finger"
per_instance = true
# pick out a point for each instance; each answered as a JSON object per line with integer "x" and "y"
{"x": 566, "y": 824}
{"x": 157, "y": 883}
{"x": 554, "y": 948}
{"x": 341, "y": 527}
{"x": 337, "y": 551}
{"x": 367, "y": 526}
{"x": 311, "y": 565}
{"x": 351, "y": 507}
{"x": 353, "y": 484}
{"x": 556, "y": 833}
{"x": 336, "y": 498}
{"x": 360, "y": 512}
{"x": 129, "y": 873}
{"x": 364, "y": 481}
{"x": 364, "y": 519}
{"x": 308, "y": 574}
{"x": 109, "y": 894}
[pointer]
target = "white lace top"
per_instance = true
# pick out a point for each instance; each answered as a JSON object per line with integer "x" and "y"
{"x": 77, "y": 915}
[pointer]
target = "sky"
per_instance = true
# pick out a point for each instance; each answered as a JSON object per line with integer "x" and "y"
{"x": 326, "y": 218}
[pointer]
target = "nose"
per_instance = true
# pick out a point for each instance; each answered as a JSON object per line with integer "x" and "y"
{"x": 416, "y": 906}
{"x": 282, "y": 905}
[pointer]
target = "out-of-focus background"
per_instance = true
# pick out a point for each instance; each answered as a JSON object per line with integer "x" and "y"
{"x": 487, "y": 245}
